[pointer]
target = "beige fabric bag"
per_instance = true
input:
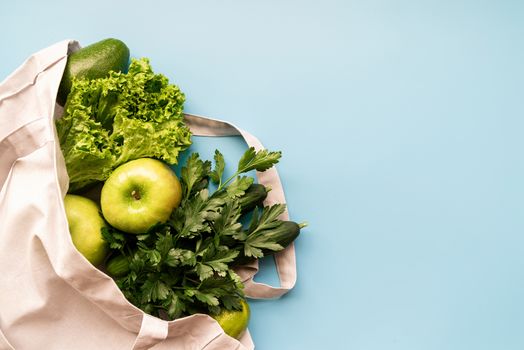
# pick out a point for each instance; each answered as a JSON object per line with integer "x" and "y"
{"x": 51, "y": 297}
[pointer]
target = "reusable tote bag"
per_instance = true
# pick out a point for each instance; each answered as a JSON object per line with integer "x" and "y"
{"x": 51, "y": 297}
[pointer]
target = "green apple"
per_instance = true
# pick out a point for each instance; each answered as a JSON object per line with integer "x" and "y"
{"x": 234, "y": 322}
{"x": 85, "y": 226}
{"x": 140, "y": 194}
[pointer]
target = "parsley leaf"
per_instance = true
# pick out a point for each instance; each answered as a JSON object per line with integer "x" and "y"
{"x": 227, "y": 223}
{"x": 260, "y": 161}
{"x": 180, "y": 257}
{"x": 261, "y": 234}
{"x": 269, "y": 217}
{"x": 254, "y": 160}
{"x": 207, "y": 298}
{"x": 194, "y": 175}
{"x": 191, "y": 219}
{"x": 176, "y": 305}
{"x": 154, "y": 290}
{"x": 238, "y": 187}
{"x": 214, "y": 260}
{"x": 228, "y": 289}
{"x": 113, "y": 237}
{"x": 216, "y": 174}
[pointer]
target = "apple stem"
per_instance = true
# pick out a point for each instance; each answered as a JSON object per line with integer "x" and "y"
{"x": 135, "y": 194}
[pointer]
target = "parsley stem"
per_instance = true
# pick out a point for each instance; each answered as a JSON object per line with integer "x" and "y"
{"x": 223, "y": 184}
{"x": 192, "y": 280}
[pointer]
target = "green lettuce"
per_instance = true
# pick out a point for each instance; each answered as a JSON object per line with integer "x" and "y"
{"x": 110, "y": 121}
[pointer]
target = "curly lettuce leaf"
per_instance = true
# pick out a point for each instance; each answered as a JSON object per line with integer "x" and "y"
{"x": 112, "y": 120}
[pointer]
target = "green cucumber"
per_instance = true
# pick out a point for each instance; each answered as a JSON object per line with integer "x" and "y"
{"x": 118, "y": 266}
{"x": 93, "y": 62}
{"x": 253, "y": 196}
{"x": 284, "y": 234}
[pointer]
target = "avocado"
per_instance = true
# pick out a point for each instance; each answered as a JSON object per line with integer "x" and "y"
{"x": 92, "y": 62}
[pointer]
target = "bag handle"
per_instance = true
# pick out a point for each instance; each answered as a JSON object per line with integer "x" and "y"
{"x": 285, "y": 260}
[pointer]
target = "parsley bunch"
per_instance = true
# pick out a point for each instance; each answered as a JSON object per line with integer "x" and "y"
{"x": 185, "y": 266}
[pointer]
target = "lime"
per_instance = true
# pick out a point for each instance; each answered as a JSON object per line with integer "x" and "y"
{"x": 234, "y": 322}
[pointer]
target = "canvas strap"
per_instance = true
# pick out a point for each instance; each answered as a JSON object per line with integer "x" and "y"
{"x": 285, "y": 260}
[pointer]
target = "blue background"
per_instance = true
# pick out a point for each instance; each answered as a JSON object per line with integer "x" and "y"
{"x": 401, "y": 126}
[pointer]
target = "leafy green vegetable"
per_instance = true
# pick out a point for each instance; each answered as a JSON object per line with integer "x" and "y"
{"x": 114, "y": 238}
{"x": 260, "y": 235}
{"x": 250, "y": 160}
{"x": 112, "y": 120}
{"x": 194, "y": 175}
{"x": 261, "y": 160}
{"x": 216, "y": 174}
{"x": 186, "y": 265}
